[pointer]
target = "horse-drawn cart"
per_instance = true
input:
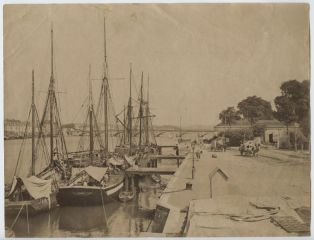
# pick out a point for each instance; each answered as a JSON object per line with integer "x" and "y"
{"x": 249, "y": 148}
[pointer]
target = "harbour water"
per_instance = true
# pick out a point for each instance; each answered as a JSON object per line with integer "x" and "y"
{"x": 114, "y": 219}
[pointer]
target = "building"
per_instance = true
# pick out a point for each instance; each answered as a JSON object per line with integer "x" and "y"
{"x": 275, "y": 133}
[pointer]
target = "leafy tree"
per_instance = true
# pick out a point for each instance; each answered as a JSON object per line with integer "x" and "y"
{"x": 285, "y": 110}
{"x": 229, "y": 116}
{"x": 255, "y": 108}
{"x": 294, "y": 103}
{"x": 258, "y": 131}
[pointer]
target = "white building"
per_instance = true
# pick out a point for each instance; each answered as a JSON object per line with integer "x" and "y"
{"x": 275, "y": 133}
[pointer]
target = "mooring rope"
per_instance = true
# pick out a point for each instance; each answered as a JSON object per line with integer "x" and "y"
{"x": 103, "y": 206}
{"x": 27, "y": 219}
{"x": 26, "y": 214}
{"x": 17, "y": 216}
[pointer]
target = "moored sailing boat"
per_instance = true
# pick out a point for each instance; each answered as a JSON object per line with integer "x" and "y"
{"x": 95, "y": 183}
{"x": 138, "y": 136}
{"x": 85, "y": 157}
{"x": 127, "y": 145}
{"x": 37, "y": 190}
{"x": 30, "y": 191}
{"x": 91, "y": 186}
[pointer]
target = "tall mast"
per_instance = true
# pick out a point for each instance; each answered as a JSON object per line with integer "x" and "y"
{"x": 91, "y": 130}
{"x": 180, "y": 134}
{"x": 124, "y": 122}
{"x": 51, "y": 93}
{"x": 147, "y": 113}
{"x": 141, "y": 112}
{"x": 33, "y": 124}
{"x": 130, "y": 112}
{"x": 105, "y": 86}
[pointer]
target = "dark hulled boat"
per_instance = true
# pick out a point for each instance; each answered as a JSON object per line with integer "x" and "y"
{"x": 91, "y": 186}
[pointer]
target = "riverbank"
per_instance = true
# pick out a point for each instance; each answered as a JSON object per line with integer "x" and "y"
{"x": 281, "y": 182}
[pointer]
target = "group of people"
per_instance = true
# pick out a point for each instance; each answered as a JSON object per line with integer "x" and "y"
{"x": 197, "y": 149}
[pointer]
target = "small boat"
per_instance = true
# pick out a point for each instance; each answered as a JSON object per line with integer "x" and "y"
{"x": 91, "y": 186}
{"x": 126, "y": 196}
{"x": 147, "y": 200}
{"x": 30, "y": 196}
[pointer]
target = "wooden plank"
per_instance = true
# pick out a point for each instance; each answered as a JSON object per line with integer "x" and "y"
{"x": 290, "y": 224}
{"x": 171, "y": 157}
{"x": 168, "y": 146}
{"x": 147, "y": 171}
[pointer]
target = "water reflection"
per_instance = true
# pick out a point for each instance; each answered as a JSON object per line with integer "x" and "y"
{"x": 118, "y": 219}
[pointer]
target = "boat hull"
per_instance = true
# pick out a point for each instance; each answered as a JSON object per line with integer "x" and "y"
{"x": 88, "y": 195}
{"x": 34, "y": 207}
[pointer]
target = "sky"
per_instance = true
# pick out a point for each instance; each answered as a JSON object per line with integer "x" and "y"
{"x": 200, "y": 58}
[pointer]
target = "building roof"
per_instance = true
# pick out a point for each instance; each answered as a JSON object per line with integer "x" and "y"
{"x": 243, "y": 123}
{"x": 270, "y": 123}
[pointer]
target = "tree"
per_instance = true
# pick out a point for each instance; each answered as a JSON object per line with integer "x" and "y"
{"x": 229, "y": 116}
{"x": 295, "y": 100}
{"x": 255, "y": 108}
{"x": 258, "y": 131}
{"x": 285, "y": 110}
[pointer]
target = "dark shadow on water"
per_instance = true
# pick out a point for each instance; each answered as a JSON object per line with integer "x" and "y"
{"x": 81, "y": 219}
{"x": 119, "y": 219}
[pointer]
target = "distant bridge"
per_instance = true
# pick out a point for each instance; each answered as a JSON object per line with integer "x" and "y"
{"x": 157, "y": 132}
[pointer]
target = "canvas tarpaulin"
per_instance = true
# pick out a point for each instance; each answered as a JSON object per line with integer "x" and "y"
{"x": 96, "y": 172}
{"x": 36, "y": 187}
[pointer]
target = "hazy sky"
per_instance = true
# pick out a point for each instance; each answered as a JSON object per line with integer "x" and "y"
{"x": 200, "y": 58}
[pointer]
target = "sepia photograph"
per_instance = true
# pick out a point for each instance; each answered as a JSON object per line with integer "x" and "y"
{"x": 156, "y": 120}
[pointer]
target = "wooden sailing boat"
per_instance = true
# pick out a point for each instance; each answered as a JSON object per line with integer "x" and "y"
{"x": 85, "y": 157}
{"x": 37, "y": 192}
{"x": 58, "y": 151}
{"x": 126, "y": 146}
{"x": 34, "y": 193}
{"x": 95, "y": 183}
{"x": 147, "y": 144}
{"x": 139, "y": 136}
{"x": 91, "y": 186}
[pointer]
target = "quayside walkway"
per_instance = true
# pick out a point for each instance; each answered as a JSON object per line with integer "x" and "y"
{"x": 238, "y": 185}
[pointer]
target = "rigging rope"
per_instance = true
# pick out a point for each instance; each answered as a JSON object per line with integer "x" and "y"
{"x": 17, "y": 216}
{"x": 23, "y": 144}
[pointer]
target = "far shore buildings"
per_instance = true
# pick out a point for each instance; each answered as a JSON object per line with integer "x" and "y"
{"x": 275, "y": 133}
{"x": 18, "y": 129}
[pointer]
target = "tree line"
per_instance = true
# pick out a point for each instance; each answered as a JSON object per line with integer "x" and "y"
{"x": 292, "y": 106}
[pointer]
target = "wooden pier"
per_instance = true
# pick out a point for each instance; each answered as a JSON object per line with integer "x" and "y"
{"x": 150, "y": 171}
{"x": 173, "y": 157}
